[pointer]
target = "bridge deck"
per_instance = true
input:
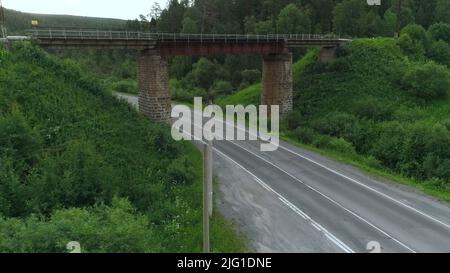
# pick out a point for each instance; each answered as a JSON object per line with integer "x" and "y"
{"x": 180, "y": 43}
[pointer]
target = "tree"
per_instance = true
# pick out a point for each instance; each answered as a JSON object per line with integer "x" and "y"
{"x": 440, "y": 52}
{"x": 321, "y": 14}
{"x": 171, "y": 18}
{"x": 404, "y": 11}
{"x": 264, "y": 27}
{"x": 347, "y": 16}
{"x": 413, "y": 49}
{"x": 293, "y": 20}
{"x": 443, "y": 11}
{"x": 372, "y": 23}
{"x": 418, "y": 34}
{"x": 220, "y": 88}
{"x": 428, "y": 82}
{"x": 389, "y": 23}
{"x": 189, "y": 26}
{"x": 440, "y": 31}
{"x": 204, "y": 73}
{"x": 250, "y": 76}
{"x": 155, "y": 11}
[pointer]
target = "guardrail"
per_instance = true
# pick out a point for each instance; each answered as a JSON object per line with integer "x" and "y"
{"x": 127, "y": 35}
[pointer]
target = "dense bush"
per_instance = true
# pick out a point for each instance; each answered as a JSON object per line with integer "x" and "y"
{"x": 417, "y": 33}
{"x": 428, "y": 82}
{"x": 440, "y": 52}
{"x": 373, "y": 109}
{"x": 335, "y": 124}
{"x": 440, "y": 31}
{"x": 125, "y": 86}
{"x": 305, "y": 135}
{"x": 250, "y": 76}
{"x": 413, "y": 49}
{"x": 100, "y": 229}
{"x": 220, "y": 88}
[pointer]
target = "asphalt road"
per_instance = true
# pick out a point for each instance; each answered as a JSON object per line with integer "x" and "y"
{"x": 294, "y": 200}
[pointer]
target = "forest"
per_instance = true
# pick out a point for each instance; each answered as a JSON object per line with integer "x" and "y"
{"x": 17, "y": 22}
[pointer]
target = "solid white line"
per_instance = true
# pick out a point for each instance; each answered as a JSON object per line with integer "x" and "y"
{"x": 367, "y": 187}
{"x": 327, "y": 234}
{"x": 328, "y": 198}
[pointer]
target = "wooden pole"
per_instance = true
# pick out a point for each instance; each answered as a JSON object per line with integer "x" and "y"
{"x": 207, "y": 182}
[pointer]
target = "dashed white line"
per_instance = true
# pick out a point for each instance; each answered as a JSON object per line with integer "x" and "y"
{"x": 326, "y": 233}
{"x": 327, "y": 197}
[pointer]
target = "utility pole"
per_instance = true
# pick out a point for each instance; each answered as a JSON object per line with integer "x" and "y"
{"x": 207, "y": 185}
{"x": 2, "y": 21}
{"x": 207, "y": 193}
{"x": 399, "y": 11}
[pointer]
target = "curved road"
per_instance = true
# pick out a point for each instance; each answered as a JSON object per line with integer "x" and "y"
{"x": 294, "y": 200}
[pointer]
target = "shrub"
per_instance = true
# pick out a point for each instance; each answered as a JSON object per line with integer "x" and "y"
{"x": 440, "y": 31}
{"x": 335, "y": 144}
{"x": 447, "y": 124}
{"x": 322, "y": 141}
{"x": 180, "y": 172}
{"x": 304, "y": 135}
{"x": 114, "y": 229}
{"x": 388, "y": 146}
{"x": 335, "y": 124}
{"x": 125, "y": 86}
{"x": 428, "y": 82}
{"x": 221, "y": 88}
{"x": 417, "y": 34}
{"x": 440, "y": 52}
{"x": 373, "y": 109}
{"x": 341, "y": 145}
{"x": 249, "y": 77}
{"x": 411, "y": 48}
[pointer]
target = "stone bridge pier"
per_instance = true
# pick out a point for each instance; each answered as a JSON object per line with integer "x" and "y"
{"x": 154, "y": 95}
{"x": 277, "y": 83}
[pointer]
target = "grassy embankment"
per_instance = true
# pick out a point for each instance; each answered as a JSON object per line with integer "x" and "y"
{"x": 78, "y": 165}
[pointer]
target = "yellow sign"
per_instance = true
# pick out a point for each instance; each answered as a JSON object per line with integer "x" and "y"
{"x": 34, "y": 23}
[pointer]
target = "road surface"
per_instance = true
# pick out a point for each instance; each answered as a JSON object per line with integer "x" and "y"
{"x": 294, "y": 200}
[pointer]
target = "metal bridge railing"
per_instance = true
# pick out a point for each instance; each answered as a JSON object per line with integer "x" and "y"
{"x": 127, "y": 35}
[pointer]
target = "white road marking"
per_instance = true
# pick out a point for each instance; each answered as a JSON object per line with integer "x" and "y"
{"x": 328, "y": 198}
{"x": 326, "y": 233}
{"x": 321, "y": 194}
{"x": 367, "y": 187}
{"x": 349, "y": 179}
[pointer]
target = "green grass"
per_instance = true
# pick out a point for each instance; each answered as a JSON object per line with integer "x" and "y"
{"x": 247, "y": 96}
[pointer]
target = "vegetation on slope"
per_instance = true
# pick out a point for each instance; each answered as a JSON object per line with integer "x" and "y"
{"x": 377, "y": 105}
{"x": 17, "y": 22}
{"x": 78, "y": 165}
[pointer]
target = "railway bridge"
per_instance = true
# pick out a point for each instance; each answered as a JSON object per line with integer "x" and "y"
{"x": 154, "y": 49}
